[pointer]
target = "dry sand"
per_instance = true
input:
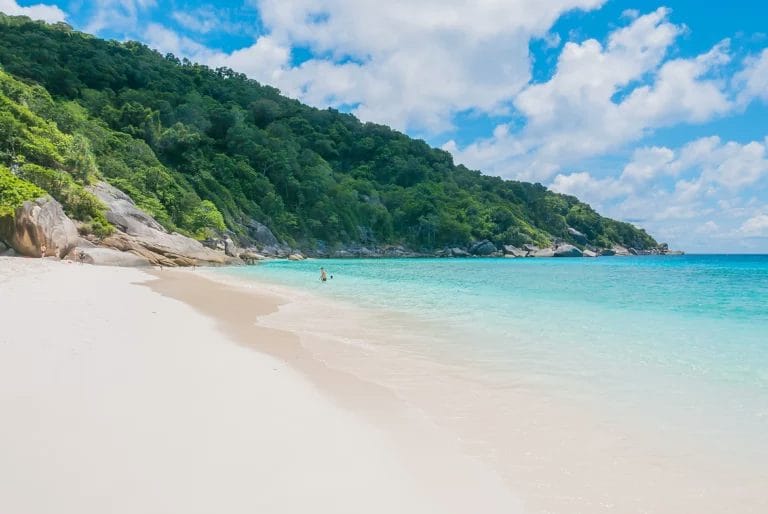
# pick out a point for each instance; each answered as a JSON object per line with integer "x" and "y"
{"x": 117, "y": 398}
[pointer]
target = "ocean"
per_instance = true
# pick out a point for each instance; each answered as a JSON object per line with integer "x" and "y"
{"x": 668, "y": 350}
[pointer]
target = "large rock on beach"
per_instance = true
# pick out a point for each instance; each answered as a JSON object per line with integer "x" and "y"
{"x": 620, "y": 251}
{"x": 588, "y": 253}
{"x": 544, "y": 252}
{"x": 142, "y": 235}
{"x": 107, "y": 257}
{"x": 483, "y": 248}
{"x": 261, "y": 234}
{"x": 459, "y": 252}
{"x": 39, "y": 223}
{"x": 567, "y": 251}
{"x": 513, "y": 251}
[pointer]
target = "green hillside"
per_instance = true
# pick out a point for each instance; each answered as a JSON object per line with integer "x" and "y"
{"x": 204, "y": 150}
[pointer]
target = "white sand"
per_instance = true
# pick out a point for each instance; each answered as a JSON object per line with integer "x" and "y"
{"x": 114, "y": 399}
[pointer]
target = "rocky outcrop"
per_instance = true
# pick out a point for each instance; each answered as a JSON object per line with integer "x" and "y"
{"x": 483, "y": 248}
{"x": 513, "y": 251}
{"x": 531, "y": 248}
{"x": 251, "y": 257}
{"x": 567, "y": 251}
{"x": 620, "y": 251}
{"x": 295, "y": 257}
{"x": 261, "y": 234}
{"x": 577, "y": 236}
{"x": 140, "y": 234}
{"x": 544, "y": 252}
{"x": 588, "y": 253}
{"x": 107, "y": 257}
{"x": 37, "y": 224}
{"x": 459, "y": 252}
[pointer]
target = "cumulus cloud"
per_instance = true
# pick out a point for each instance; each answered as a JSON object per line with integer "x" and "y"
{"x": 263, "y": 60}
{"x": 118, "y": 15}
{"x": 412, "y": 65}
{"x": 756, "y": 226}
{"x": 602, "y": 97}
{"x": 672, "y": 191}
{"x": 45, "y": 12}
{"x": 753, "y": 79}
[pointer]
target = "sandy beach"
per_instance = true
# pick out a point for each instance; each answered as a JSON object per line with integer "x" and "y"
{"x": 116, "y": 397}
{"x": 148, "y": 391}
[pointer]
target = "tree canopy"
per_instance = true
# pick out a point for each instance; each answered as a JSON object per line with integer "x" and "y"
{"x": 206, "y": 150}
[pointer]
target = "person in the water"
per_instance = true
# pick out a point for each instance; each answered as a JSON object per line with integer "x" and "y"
{"x": 323, "y": 275}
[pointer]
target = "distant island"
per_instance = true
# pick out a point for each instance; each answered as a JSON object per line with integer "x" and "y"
{"x": 113, "y": 153}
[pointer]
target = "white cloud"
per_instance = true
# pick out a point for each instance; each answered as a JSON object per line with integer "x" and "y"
{"x": 647, "y": 163}
{"x": 756, "y": 226}
{"x": 45, "y": 12}
{"x": 117, "y": 15}
{"x": 583, "y": 185}
{"x": 412, "y": 64}
{"x": 670, "y": 191}
{"x": 201, "y": 21}
{"x": 602, "y": 97}
{"x": 206, "y": 19}
{"x": 753, "y": 79}
{"x": 263, "y": 60}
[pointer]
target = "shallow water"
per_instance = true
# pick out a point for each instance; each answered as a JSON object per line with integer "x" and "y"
{"x": 670, "y": 353}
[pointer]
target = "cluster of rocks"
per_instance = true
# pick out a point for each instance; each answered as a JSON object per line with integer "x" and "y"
{"x": 42, "y": 228}
{"x": 139, "y": 240}
{"x": 560, "y": 248}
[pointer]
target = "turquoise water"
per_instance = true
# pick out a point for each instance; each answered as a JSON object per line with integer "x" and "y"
{"x": 662, "y": 333}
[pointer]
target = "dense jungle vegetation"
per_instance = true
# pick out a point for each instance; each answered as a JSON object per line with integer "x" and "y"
{"x": 209, "y": 150}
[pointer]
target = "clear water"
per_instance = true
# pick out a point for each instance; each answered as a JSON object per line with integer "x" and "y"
{"x": 677, "y": 346}
{"x": 703, "y": 317}
{"x": 699, "y": 321}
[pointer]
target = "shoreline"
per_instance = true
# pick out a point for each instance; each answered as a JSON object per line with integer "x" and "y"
{"x": 128, "y": 401}
{"x": 549, "y": 449}
{"x": 441, "y": 434}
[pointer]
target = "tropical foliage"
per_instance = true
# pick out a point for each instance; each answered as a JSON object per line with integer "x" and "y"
{"x": 206, "y": 149}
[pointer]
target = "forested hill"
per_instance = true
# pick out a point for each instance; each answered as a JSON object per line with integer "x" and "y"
{"x": 202, "y": 149}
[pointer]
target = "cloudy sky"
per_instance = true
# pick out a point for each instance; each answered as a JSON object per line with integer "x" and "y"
{"x": 655, "y": 112}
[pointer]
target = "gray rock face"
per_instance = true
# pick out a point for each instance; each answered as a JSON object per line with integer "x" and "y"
{"x": 39, "y": 223}
{"x": 107, "y": 257}
{"x": 577, "y": 236}
{"x": 513, "y": 251}
{"x": 261, "y": 234}
{"x": 544, "y": 252}
{"x": 621, "y": 251}
{"x": 483, "y": 247}
{"x": 142, "y": 235}
{"x": 123, "y": 213}
{"x": 458, "y": 252}
{"x": 530, "y": 248}
{"x": 589, "y": 253}
{"x": 567, "y": 251}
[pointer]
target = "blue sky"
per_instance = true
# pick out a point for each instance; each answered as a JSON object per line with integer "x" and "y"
{"x": 652, "y": 111}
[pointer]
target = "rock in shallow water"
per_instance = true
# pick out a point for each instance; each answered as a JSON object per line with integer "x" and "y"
{"x": 483, "y": 247}
{"x": 544, "y": 252}
{"x": 567, "y": 251}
